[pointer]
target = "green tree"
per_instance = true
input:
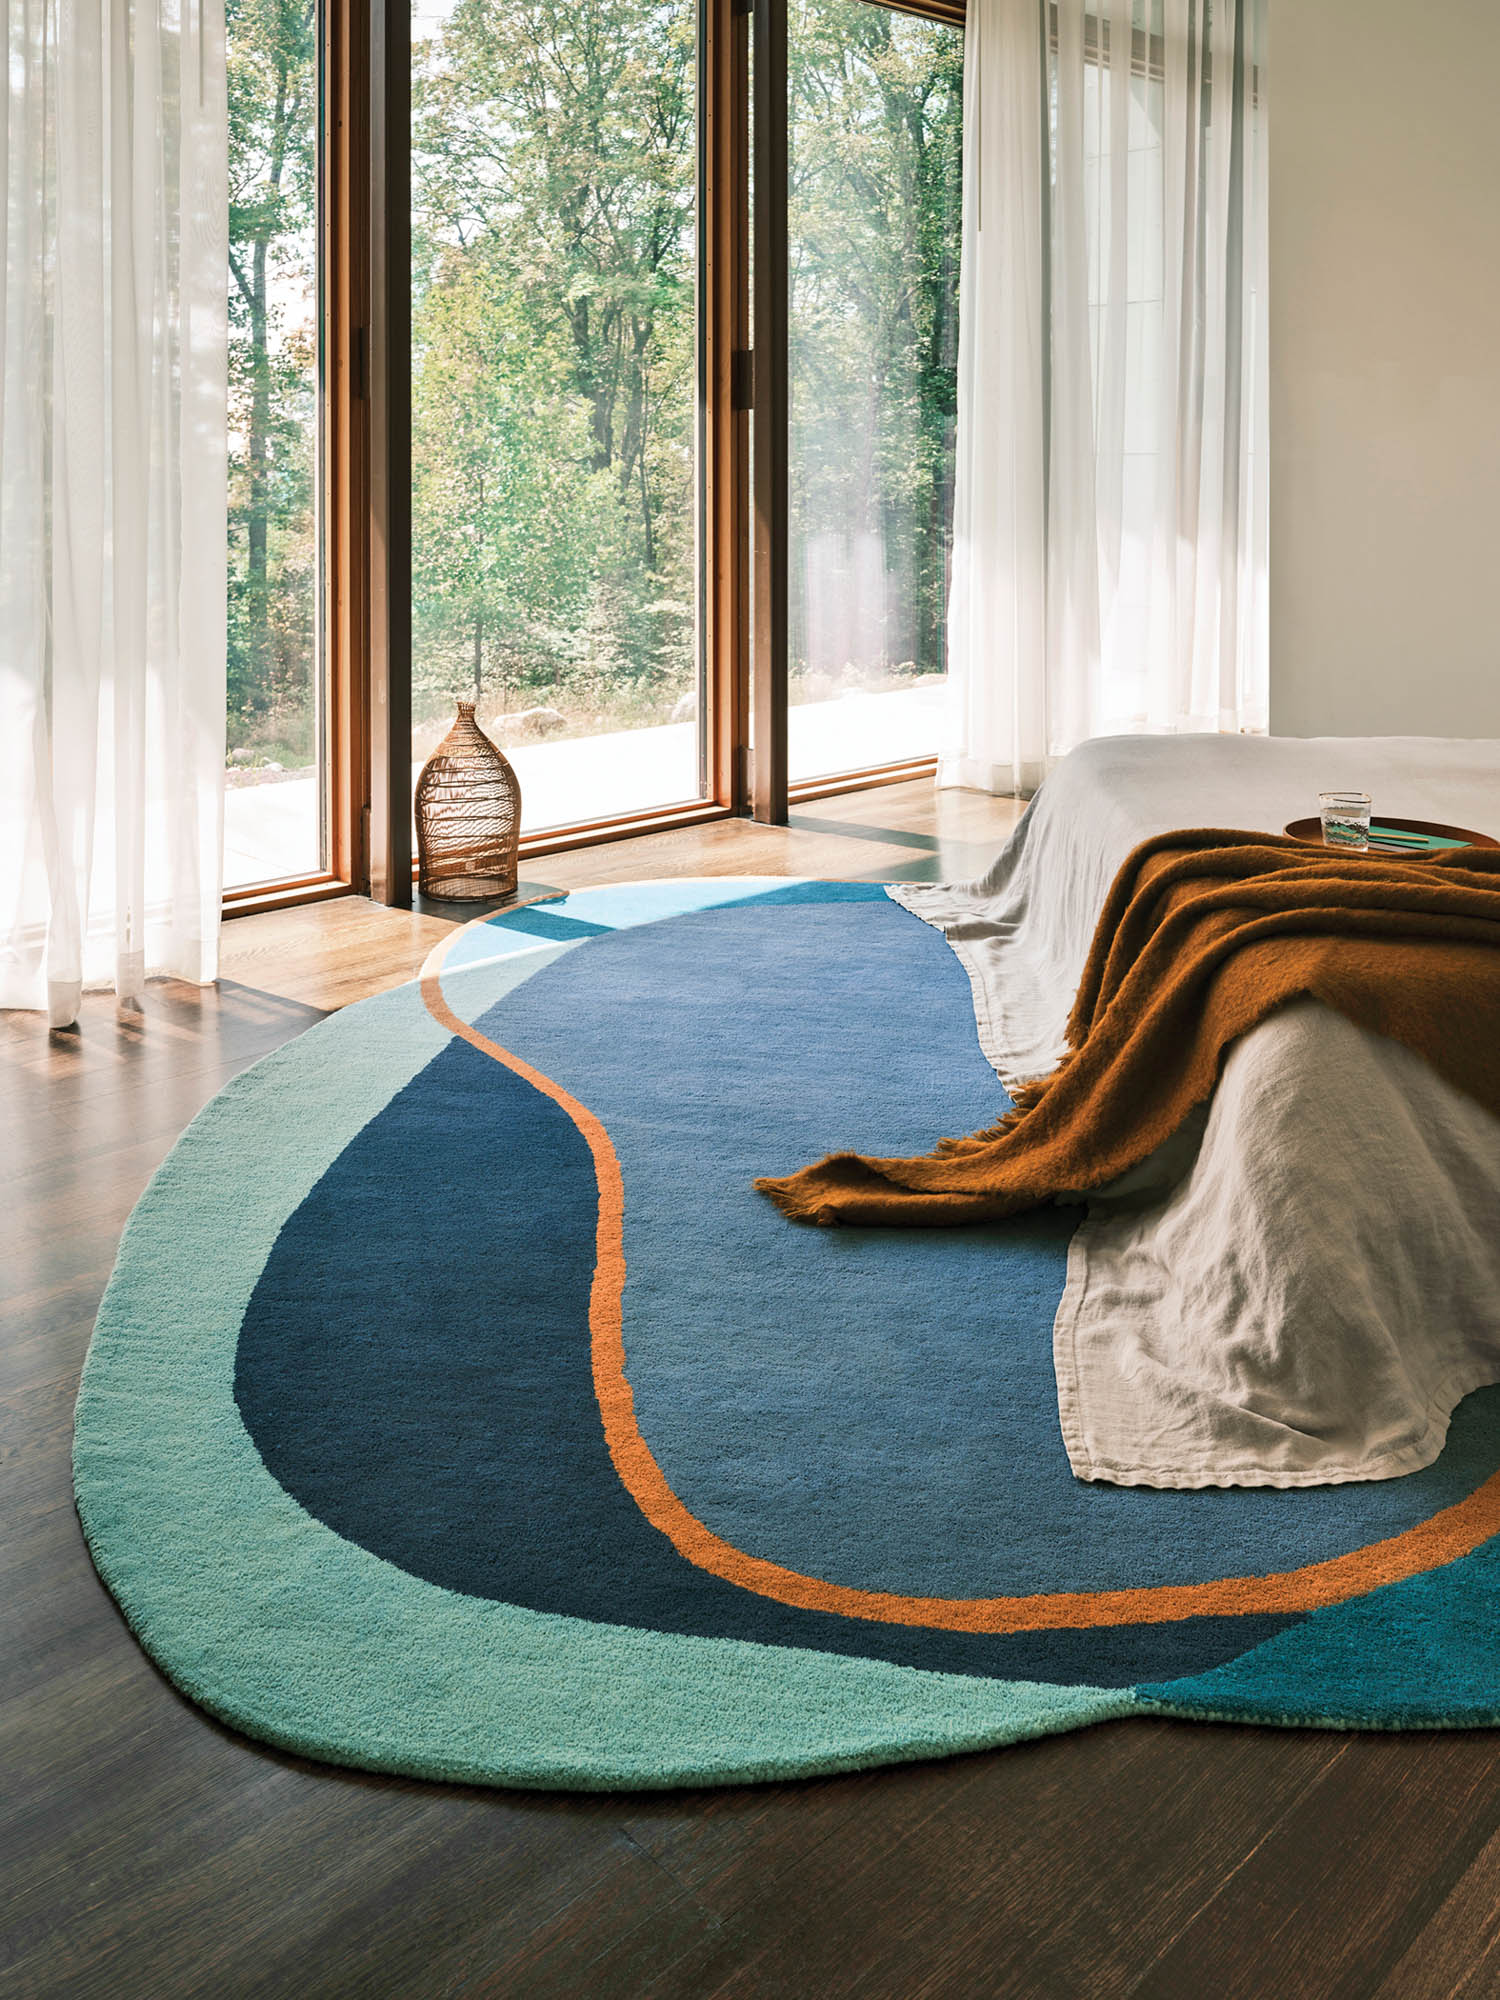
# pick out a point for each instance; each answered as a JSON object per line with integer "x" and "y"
{"x": 502, "y": 567}
{"x": 272, "y": 77}
{"x": 554, "y": 173}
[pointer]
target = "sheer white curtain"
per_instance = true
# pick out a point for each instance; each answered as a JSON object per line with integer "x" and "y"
{"x": 1109, "y": 563}
{"x": 112, "y": 496}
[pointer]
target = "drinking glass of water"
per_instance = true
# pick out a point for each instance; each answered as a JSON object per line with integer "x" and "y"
{"x": 1346, "y": 818}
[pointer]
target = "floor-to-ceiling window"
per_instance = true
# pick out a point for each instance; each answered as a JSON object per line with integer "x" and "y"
{"x": 554, "y": 394}
{"x": 275, "y": 786}
{"x": 875, "y": 110}
{"x": 587, "y": 414}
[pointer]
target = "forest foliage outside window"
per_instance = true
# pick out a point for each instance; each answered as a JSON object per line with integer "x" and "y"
{"x": 553, "y": 385}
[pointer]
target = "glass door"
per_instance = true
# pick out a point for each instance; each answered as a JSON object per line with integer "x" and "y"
{"x": 275, "y": 824}
{"x": 554, "y": 464}
{"x": 875, "y": 130}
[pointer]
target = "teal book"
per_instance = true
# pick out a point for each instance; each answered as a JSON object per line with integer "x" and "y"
{"x": 1410, "y": 843}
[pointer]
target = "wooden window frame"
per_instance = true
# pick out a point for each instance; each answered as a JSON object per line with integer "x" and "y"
{"x": 364, "y": 256}
{"x": 345, "y": 180}
{"x": 772, "y": 791}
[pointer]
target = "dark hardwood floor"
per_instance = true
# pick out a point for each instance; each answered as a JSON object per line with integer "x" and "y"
{"x": 147, "y": 1852}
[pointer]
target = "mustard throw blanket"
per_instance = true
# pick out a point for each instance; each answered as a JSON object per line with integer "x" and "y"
{"x": 1204, "y": 934}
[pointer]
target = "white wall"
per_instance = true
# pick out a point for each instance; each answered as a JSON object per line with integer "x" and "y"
{"x": 1385, "y": 367}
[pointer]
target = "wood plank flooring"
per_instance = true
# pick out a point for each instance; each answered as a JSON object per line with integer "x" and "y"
{"x": 144, "y": 1851}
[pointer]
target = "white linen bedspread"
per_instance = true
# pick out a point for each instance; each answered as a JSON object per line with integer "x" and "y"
{"x": 1300, "y": 1287}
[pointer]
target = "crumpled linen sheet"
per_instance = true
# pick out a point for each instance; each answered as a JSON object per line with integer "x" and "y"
{"x": 1300, "y": 1287}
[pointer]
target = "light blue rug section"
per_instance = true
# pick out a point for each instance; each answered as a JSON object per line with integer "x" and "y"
{"x": 616, "y": 907}
{"x": 875, "y": 1407}
{"x": 288, "y": 1632}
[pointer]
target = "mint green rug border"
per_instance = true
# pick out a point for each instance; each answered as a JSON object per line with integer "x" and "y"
{"x": 288, "y": 1633}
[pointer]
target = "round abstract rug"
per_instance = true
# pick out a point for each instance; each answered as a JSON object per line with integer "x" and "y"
{"x": 457, "y": 1408}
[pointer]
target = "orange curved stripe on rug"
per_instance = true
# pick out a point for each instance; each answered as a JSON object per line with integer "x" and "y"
{"x": 1442, "y": 1538}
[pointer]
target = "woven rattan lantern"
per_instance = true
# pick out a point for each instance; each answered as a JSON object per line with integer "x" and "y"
{"x": 468, "y": 816}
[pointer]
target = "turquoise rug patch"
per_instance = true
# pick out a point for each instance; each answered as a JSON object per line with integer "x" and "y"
{"x": 457, "y": 1408}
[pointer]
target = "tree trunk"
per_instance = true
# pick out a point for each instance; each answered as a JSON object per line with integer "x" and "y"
{"x": 593, "y": 380}
{"x": 257, "y": 532}
{"x": 258, "y": 442}
{"x": 633, "y": 449}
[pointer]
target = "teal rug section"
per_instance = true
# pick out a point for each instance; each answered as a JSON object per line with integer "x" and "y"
{"x": 304, "y": 1638}
{"x": 1423, "y": 1654}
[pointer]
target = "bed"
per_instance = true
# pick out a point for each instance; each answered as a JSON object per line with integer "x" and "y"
{"x": 1300, "y": 1287}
